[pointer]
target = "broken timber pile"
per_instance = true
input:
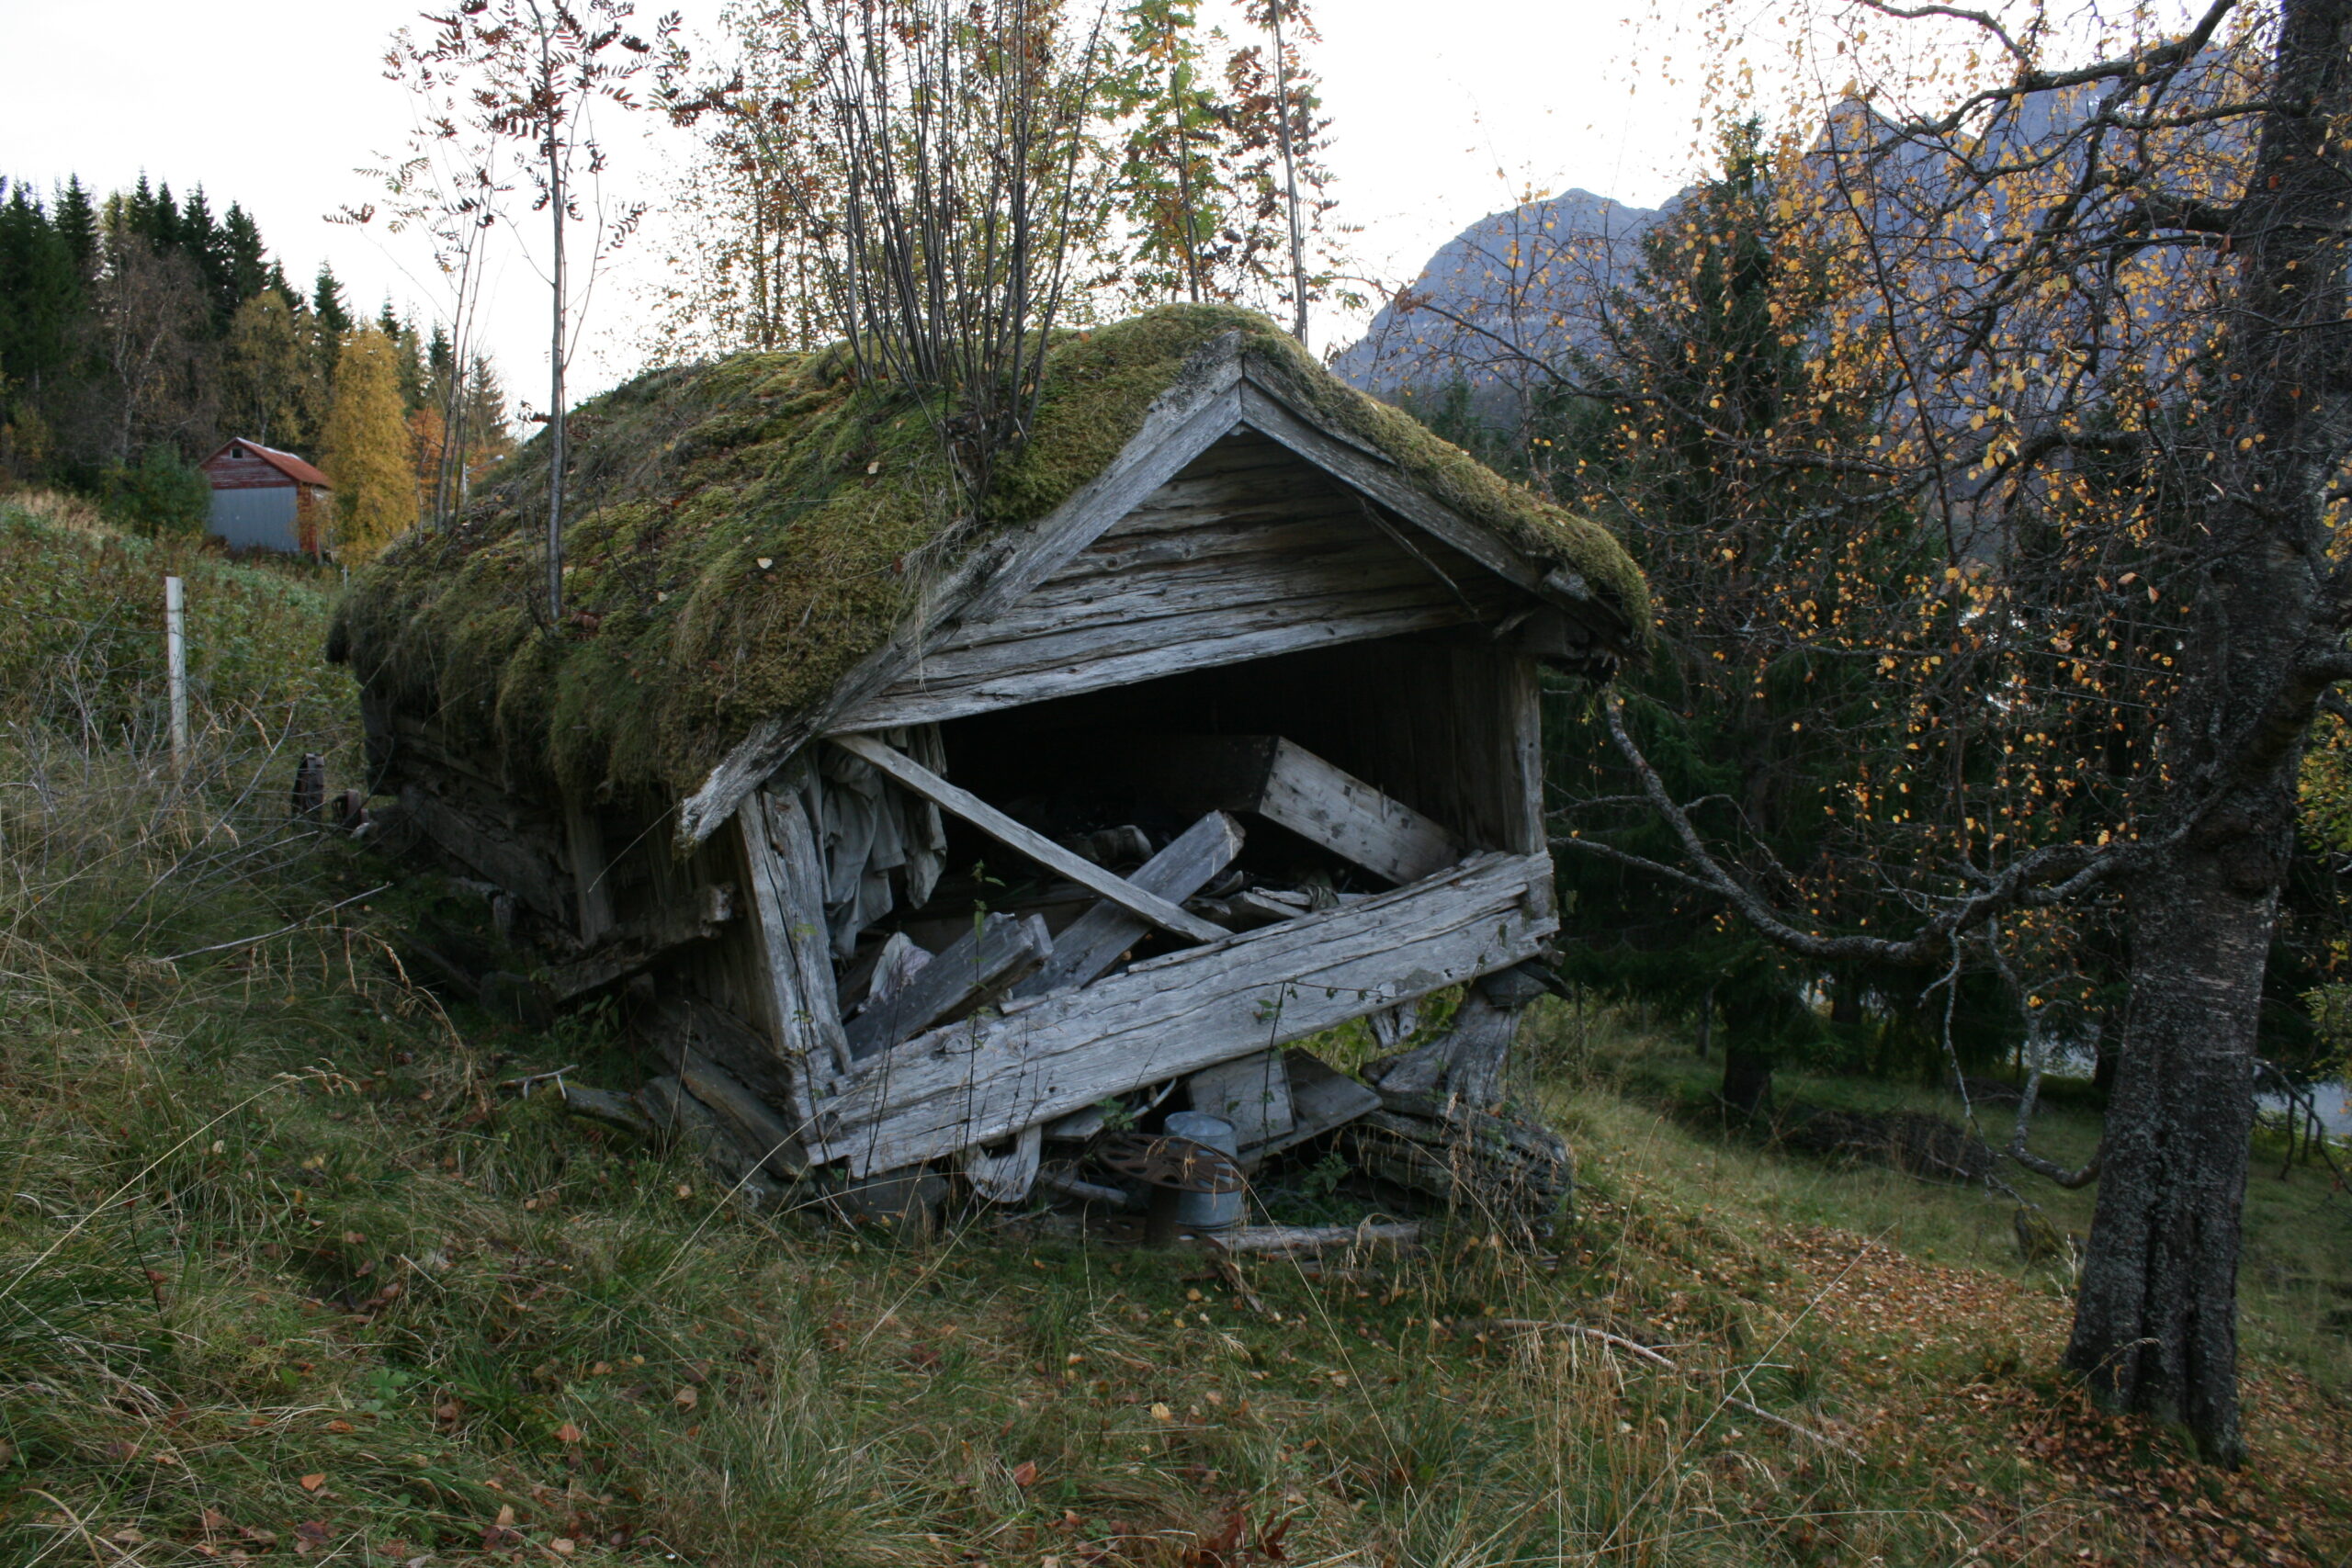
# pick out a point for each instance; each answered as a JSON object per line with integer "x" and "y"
{"x": 1223, "y": 735}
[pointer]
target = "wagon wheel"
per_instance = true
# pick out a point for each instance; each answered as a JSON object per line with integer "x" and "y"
{"x": 1180, "y": 1165}
{"x": 1169, "y": 1164}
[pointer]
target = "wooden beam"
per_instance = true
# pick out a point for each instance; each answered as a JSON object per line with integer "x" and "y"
{"x": 585, "y": 841}
{"x": 1525, "y": 807}
{"x": 1034, "y": 844}
{"x": 505, "y": 858}
{"x": 1291, "y": 786}
{"x": 636, "y": 946}
{"x": 984, "y": 1078}
{"x": 1005, "y": 1178}
{"x": 800, "y": 870}
{"x": 675, "y": 1025}
{"x": 1200, "y": 406}
{"x": 980, "y": 961}
{"x": 775, "y": 1141}
{"x": 1093, "y": 942}
{"x": 1250, "y": 1094}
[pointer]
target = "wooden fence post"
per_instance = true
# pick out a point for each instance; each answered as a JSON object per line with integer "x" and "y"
{"x": 176, "y": 660}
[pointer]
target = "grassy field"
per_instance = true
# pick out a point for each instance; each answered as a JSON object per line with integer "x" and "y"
{"x": 283, "y": 1274}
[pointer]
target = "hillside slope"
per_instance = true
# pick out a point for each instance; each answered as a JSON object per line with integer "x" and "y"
{"x": 288, "y": 1271}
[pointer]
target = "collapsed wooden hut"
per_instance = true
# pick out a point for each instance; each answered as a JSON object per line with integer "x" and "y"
{"x": 911, "y": 839}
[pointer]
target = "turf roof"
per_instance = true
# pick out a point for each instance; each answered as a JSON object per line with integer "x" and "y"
{"x": 742, "y": 534}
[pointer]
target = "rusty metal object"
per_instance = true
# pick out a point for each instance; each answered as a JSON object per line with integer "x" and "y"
{"x": 1180, "y": 1165}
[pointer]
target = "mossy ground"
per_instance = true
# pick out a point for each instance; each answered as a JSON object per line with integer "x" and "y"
{"x": 285, "y": 1275}
{"x": 743, "y": 534}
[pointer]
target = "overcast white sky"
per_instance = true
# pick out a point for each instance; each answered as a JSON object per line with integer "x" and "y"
{"x": 1442, "y": 112}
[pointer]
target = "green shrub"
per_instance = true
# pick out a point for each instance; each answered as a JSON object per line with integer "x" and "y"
{"x": 158, "y": 495}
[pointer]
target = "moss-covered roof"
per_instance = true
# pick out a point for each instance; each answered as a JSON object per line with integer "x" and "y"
{"x": 741, "y": 535}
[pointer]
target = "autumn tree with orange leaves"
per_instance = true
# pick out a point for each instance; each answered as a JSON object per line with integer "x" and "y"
{"x": 2089, "y": 283}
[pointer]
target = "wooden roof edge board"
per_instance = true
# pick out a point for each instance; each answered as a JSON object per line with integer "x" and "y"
{"x": 898, "y": 708}
{"x": 1280, "y": 419}
{"x": 1195, "y": 413}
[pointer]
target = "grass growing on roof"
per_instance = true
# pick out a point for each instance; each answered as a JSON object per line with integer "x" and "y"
{"x": 743, "y": 534}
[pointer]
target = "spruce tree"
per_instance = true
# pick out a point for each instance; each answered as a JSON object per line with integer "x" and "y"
{"x": 326, "y": 303}
{"x": 75, "y": 218}
{"x": 248, "y": 268}
{"x": 40, "y": 292}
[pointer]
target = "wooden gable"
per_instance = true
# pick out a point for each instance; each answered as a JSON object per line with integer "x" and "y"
{"x": 1248, "y": 552}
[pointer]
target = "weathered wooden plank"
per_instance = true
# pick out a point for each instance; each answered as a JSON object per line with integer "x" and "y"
{"x": 792, "y": 834}
{"x": 983, "y": 1078}
{"x": 1522, "y": 700}
{"x": 415, "y": 741}
{"x": 1351, "y": 818}
{"x": 1149, "y": 460}
{"x": 585, "y": 839}
{"x": 678, "y": 1115}
{"x": 502, "y": 857}
{"x": 984, "y": 690}
{"x": 1299, "y": 495}
{"x": 1200, "y": 406}
{"x": 676, "y": 1024}
{"x": 1027, "y": 841}
{"x": 1331, "y": 571}
{"x": 1156, "y": 623}
{"x": 1292, "y": 787}
{"x": 778, "y": 907}
{"x": 1321, "y": 1098}
{"x": 1289, "y": 1241}
{"x": 1005, "y": 1178}
{"x": 979, "y": 963}
{"x": 1266, "y": 411}
{"x": 1250, "y": 1094}
{"x": 629, "y": 949}
{"x": 773, "y": 1141}
{"x": 1093, "y": 941}
{"x": 1169, "y": 573}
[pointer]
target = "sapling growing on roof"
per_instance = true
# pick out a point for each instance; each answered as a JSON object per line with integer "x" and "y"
{"x": 532, "y": 73}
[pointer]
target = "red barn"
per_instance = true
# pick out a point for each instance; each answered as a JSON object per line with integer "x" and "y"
{"x": 264, "y": 499}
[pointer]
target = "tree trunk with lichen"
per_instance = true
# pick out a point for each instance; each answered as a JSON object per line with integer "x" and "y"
{"x": 2155, "y": 1322}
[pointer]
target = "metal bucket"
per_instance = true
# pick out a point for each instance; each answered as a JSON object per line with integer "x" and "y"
{"x": 1206, "y": 1210}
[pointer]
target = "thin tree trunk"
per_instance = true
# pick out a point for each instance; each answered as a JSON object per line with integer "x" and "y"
{"x": 1290, "y": 179}
{"x": 2155, "y": 1323}
{"x": 1178, "y": 99}
{"x": 555, "y": 355}
{"x": 1706, "y": 1021}
{"x": 1747, "y": 1079}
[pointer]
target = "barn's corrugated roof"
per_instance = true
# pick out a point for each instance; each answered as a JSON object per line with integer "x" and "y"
{"x": 285, "y": 463}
